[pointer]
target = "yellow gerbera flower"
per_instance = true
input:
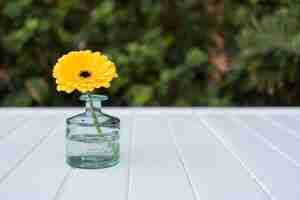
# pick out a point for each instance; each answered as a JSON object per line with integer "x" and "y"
{"x": 83, "y": 71}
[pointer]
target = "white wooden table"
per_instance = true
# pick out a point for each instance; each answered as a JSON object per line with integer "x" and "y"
{"x": 166, "y": 154}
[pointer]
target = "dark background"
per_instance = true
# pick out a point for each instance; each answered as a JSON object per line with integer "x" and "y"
{"x": 168, "y": 52}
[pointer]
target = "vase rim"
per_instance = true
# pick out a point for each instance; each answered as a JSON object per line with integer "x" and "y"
{"x": 95, "y": 97}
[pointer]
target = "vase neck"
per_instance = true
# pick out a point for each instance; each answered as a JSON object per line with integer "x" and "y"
{"x": 96, "y": 105}
{"x": 93, "y": 102}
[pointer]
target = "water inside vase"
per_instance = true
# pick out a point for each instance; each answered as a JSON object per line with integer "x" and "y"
{"x": 92, "y": 151}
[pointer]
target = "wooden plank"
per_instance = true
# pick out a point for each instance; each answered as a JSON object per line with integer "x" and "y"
{"x": 279, "y": 177}
{"x": 275, "y": 137}
{"x": 290, "y": 123}
{"x": 10, "y": 123}
{"x": 110, "y": 183}
{"x": 156, "y": 171}
{"x": 41, "y": 174}
{"x": 210, "y": 165}
{"x": 19, "y": 144}
{"x": 246, "y": 110}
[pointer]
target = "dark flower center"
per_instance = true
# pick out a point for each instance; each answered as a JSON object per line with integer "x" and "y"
{"x": 85, "y": 74}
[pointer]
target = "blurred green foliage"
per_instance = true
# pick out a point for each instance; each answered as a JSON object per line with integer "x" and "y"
{"x": 266, "y": 70}
{"x": 163, "y": 50}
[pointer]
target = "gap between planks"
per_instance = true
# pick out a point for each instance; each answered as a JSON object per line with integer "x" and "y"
{"x": 131, "y": 145}
{"x": 28, "y": 153}
{"x": 12, "y": 130}
{"x": 264, "y": 140}
{"x": 182, "y": 161}
{"x": 61, "y": 187}
{"x": 282, "y": 126}
{"x": 227, "y": 146}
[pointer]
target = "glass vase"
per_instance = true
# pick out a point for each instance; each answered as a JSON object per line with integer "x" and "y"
{"x": 92, "y": 137}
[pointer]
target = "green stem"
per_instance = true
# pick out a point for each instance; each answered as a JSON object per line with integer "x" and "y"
{"x": 96, "y": 122}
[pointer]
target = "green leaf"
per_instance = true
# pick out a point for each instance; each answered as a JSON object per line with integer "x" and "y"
{"x": 104, "y": 12}
{"x": 140, "y": 94}
{"x": 195, "y": 57}
{"x": 18, "y": 38}
{"x": 295, "y": 43}
{"x": 38, "y": 89}
{"x": 15, "y": 8}
{"x": 19, "y": 98}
